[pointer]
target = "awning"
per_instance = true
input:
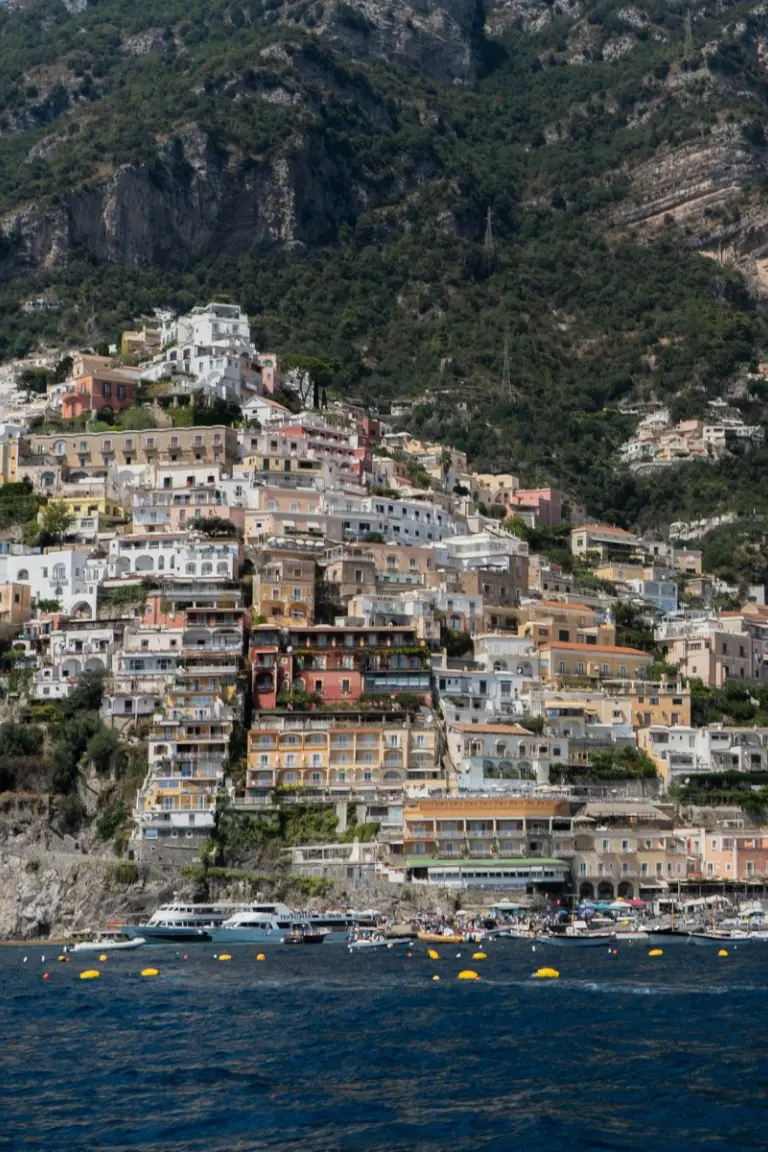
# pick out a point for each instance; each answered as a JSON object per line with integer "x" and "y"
{"x": 659, "y": 883}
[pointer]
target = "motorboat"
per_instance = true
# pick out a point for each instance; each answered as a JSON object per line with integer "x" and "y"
{"x": 717, "y": 938}
{"x": 441, "y": 938}
{"x": 377, "y": 940}
{"x": 579, "y": 939}
{"x": 109, "y": 944}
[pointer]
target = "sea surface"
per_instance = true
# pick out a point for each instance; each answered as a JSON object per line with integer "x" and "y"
{"x": 318, "y": 1049}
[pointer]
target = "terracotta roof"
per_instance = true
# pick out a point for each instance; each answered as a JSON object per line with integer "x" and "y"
{"x": 564, "y": 604}
{"x": 603, "y": 528}
{"x": 596, "y": 648}
{"x": 494, "y": 729}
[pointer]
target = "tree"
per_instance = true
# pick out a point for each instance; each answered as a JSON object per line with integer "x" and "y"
{"x": 102, "y": 747}
{"x": 213, "y": 526}
{"x": 54, "y": 522}
{"x": 87, "y": 694}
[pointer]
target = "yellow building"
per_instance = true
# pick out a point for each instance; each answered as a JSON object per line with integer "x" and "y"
{"x": 15, "y": 603}
{"x": 594, "y": 661}
{"x": 284, "y": 465}
{"x": 284, "y": 587}
{"x": 100, "y": 449}
{"x": 9, "y": 461}
{"x": 337, "y": 754}
{"x": 550, "y": 621}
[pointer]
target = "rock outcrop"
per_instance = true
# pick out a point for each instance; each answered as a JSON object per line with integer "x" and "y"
{"x": 194, "y": 199}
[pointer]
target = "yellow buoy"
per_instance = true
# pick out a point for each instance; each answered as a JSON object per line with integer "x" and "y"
{"x": 478, "y": 955}
{"x": 432, "y": 954}
{"x": 435, "y": 977}
{"x": 90, "y": 974}
{"x": 225, "y": 956}
{"x": 62, "y": 959}
{"x": 722, "y": 952}
{"x": 468, "y": 974}
{"x": 150, "y": 972}
{"x": 103, "y": 958}
{"x": 546, "y": 974}
{"x": 656, "y": 952}
{"x": 261, "y": 956}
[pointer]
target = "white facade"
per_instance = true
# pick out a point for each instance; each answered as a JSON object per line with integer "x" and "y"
{"x": 59, "y": 574}
{"x": 481, "y": 550}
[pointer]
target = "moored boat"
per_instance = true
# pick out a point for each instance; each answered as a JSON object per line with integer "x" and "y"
{"x": 718, "y": 939}
{"x": 439, "y": 938}
{"x": 110, "y": 944}
{"x": 577, "y": 939}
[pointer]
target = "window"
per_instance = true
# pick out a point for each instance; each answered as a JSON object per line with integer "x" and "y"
{"x": 106, "y": 389}
{"x": 345, "y": 687}
{"x": 318, "y": 686}
{"x": 120, "y": 392}
{"x": 605, "y": 670}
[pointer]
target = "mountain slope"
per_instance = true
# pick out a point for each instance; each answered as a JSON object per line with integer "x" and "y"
{"x": 331, "y": 165}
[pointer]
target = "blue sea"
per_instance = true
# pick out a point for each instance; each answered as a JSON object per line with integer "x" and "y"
{"x": 319, "y": 1049}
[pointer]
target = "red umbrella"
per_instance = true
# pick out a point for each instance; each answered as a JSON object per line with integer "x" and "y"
{"x": 637, "y": 903}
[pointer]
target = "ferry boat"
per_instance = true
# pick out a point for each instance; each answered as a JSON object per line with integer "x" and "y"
{"x": 183, "y": 922}
{"x": 273, "y": 923}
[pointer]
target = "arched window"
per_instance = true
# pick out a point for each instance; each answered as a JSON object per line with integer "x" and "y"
{"x": 521, "y": 750}
{"x": 191, "y": 569}
{"x": 206, "y": 569}
{"x": 501, "y": 748}
{"x": 22, "y": 574}
{"x": 222, "y": 569}
{"x": 59, "y": 572}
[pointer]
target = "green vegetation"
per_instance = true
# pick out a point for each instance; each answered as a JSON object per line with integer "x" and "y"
{"x": 391, "y": 290}
{"x": 627, "y": 763}
{"x": 747, "y": 790}
{"x": 734, "y": 703}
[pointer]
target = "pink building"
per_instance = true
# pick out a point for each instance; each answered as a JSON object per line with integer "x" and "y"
{"x": 545, "y": 503}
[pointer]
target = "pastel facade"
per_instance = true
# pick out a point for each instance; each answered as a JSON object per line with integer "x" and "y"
{"x": 338, "y": 754}
{"x": 593, "y": 661}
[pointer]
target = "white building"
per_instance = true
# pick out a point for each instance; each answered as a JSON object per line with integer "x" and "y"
{"x": 58, "y": 574}
{"x": 481, "y": 550}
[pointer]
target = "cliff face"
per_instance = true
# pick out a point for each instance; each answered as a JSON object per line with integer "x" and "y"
{"x": 53, "y": 885}
{"x": 434, "y": 36}
{"x": 195, "y": 198}
{"x": 708, "y": 188}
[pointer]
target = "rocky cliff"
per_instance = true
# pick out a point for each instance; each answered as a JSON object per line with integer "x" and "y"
{"x": 53, "y": 885}
{"x": 193, "y": 199}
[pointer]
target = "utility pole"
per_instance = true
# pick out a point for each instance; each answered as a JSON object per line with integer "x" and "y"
{"x": 688, "y": 42}
{"x": 506, "y": 378}
{"x": 488, "y": 242}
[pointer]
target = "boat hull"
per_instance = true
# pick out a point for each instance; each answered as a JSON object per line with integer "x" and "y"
{"x": 702, "y": 940}
{"x": 166, "y": 933}
{"x": 577, "y": 941}
{"x": 436, "y": 938}
{"x": 109, "y": 945}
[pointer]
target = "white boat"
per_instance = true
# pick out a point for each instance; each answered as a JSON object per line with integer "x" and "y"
{"x": 577, "y": 939}
{"x": 377, "y": 941}
{"x": 215, "y": 923}
{"x": 110, "y": 945}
